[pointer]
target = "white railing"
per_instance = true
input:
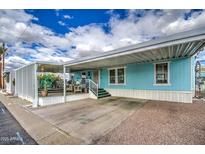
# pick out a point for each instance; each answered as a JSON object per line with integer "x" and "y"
{"x": 93, "y": 87}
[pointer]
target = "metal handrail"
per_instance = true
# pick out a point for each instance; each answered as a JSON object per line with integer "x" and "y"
{"x": 93, "y": 87}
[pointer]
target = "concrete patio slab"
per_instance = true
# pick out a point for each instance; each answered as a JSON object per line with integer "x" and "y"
{"x": 89, "y": 119}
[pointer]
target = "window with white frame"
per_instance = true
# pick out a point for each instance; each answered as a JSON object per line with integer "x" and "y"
{"x": 117, "y": 75}
{"x": 162, "y": 73}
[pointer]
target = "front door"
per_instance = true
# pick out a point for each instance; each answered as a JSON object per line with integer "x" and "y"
{"x": 95, "y": 76}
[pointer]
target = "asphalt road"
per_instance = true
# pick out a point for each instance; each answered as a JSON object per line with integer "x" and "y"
{"x": 11, "y": 133}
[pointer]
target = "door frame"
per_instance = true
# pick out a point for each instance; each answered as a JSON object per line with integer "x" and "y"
{"x": 98, "y": 78}
{"x": 96, "y": 72}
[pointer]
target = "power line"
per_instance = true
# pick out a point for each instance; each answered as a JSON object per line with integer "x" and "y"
{"x": 18, "y": 38}
{"x": 24, "y": 29}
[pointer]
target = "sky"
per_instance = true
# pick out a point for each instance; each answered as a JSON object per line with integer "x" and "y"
{"x": 63, "y": 35}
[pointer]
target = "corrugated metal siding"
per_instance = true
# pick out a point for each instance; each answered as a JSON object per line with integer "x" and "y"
{"x": 25, "y": 82}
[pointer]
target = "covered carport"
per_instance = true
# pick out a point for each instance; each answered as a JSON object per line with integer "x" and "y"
{"x": 26, "y": 85}
{"x": 180, "y": 45}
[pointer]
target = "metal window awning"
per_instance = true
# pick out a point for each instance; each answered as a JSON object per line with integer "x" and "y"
{"x": 180, "y": 45}
{"x": 52, "y": 68}
{"x": 46, "y": 66}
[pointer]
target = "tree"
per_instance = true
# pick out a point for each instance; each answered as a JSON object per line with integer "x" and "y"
{"x": 3, "y": 49}
{"x": 2, "y": 55}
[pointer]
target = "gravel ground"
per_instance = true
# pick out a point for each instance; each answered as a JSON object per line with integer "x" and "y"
{"x": 161, "y": 123}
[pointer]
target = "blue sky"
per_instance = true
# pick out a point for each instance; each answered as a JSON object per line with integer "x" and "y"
{"x": 74, "y": 18}
{"x": 63, "y": 35}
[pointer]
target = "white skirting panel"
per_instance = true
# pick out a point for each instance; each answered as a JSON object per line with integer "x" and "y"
{"x": 173, "y": 96}
{"x": 43, "y": 101}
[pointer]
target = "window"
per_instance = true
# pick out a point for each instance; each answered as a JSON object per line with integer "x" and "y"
{"x": 117, "y": 76}
{"x": 83, "y": 75}
{"x": 162, "y": 73}
{"x": 120, "y": 76}
{"x": 112, "y": 76}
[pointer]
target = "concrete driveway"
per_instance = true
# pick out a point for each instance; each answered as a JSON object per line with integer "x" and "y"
{"x": 88, "y": 119}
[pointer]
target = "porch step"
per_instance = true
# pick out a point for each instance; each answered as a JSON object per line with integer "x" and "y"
{"x": 103, "y": 93}
{"x": 103, "y": 96}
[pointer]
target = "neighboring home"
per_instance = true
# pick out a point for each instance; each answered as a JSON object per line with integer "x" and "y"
{"x": 9, "y": 82}
{"x": 200, "y": 78}
{"x": 203, "y": 71}
{"x": 159, "y": 69}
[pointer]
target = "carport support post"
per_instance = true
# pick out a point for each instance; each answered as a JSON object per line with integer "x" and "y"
{"x": 64, "y": 83}
{"x": 15, "y": 79}
{"x": 35, "y": 102}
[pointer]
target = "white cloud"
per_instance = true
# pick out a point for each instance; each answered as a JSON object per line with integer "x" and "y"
{"x": 88, "y": 39}
{"x": 61, "y": 23}
{"x": 137, "y": 26}
{"x": 57, "y": 11}
{"x": 18, "y": 31}
{"x": 13, "y": 62}
{"x": 68, "y": 17}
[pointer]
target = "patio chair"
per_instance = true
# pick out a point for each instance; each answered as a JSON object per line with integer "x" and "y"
{"x": 77, "y": 88}
{"x": 70, "y": 88}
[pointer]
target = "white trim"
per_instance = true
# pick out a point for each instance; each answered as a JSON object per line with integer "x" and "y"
{"x": 162, "y": 84}
{"x": 110, "y": 68}
{"x": 116, "y": 76}
{"x": 98, "y": 77}
{"x": 51, "y": 100}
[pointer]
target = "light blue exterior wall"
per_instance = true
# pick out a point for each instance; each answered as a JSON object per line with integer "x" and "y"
{"x": 141, "y": 77}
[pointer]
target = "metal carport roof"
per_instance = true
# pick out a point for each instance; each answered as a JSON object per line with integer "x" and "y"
{"x": 180, "y": 45}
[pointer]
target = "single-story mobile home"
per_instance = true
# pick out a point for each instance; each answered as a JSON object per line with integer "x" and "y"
{"x": 159, "y": 69}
